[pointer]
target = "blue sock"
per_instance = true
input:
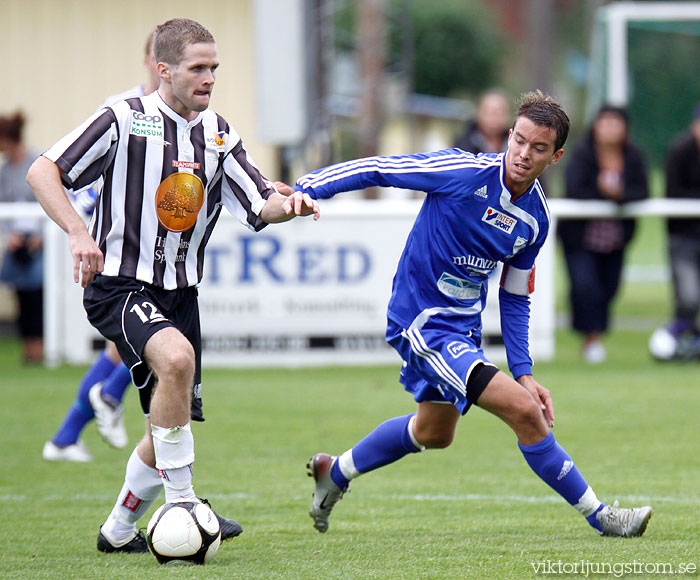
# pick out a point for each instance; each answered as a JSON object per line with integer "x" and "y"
{"x": 73, "y": 423}
{"x": 593, "y": 521}
{"x": 80, "y": 412}
{"x": 116, "y": 383}
{"x": 555, "y": 467}
{"x": 389, "y": 442}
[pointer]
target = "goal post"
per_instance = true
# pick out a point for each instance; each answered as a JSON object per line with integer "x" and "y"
{"x": 645, "y": 56}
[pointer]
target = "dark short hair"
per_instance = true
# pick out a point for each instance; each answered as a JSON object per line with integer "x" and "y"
{"x": 609, "y": 109}
{"x": 543, "y": 110}
{"x": 173, "y": 36}
{"x": 11, "y": 127}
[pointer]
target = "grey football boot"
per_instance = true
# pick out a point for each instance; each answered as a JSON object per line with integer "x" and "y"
{"x": 625, "y": 523}
{"x": 326, "y": 493}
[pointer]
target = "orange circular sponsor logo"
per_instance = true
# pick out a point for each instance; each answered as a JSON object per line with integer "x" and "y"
{"x": 178, "y": 200}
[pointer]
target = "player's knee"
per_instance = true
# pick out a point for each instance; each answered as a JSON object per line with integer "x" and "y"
{"x": 178, "y": 364}
{"x": 527, "y": 417}
{"x": 435, "y": 438}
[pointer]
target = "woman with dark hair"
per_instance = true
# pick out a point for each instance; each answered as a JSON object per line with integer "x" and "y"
{"x": 22, "y": 265}
{"x": 605, "y": 165}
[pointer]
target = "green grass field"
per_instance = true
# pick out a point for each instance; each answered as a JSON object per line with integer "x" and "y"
{"x": 474, "y": 510}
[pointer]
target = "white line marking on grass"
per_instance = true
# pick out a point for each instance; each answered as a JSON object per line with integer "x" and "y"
{"x": 100, "y": 497}
{"x": 529, "y": 498}
{"x": 401, "y": 497}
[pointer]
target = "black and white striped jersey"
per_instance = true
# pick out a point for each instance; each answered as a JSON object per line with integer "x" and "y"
{"x": 165, "y": 180}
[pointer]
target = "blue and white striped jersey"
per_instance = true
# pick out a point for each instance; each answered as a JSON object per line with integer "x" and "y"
{"x": 466, "y": 225}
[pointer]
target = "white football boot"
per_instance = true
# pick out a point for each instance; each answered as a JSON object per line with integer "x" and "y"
{"x": 109, "y": 418}
{"x": 622, "y": 522}
{"x": 77, "y": 452}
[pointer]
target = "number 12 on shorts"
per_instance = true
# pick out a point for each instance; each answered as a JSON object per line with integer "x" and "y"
{"x": 153, "y": 315}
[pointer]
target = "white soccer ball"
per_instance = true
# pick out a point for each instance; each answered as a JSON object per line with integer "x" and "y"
{"x": 662, "y": 344}
{"x": 184, "y": 532}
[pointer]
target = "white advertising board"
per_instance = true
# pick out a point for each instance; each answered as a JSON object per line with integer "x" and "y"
{"x": 294, "y": 294}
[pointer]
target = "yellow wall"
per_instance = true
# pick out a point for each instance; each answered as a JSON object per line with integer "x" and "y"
{"x": 62, "y": 58}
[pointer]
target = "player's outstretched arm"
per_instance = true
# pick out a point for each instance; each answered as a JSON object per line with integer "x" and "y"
{"x": 281, "y": 208}
{"x": 541, "y": 395}
{"x": 283, "y": 188}
{"x": 44, "y": 177}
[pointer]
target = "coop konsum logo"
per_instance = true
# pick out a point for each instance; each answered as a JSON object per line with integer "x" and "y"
{"x": 149, "y": 126}
{"x": 499, "y": 220}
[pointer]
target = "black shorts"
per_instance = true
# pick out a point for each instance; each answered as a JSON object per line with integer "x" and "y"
{"x": 129, "y": 312}
{"x": 479, "y": 379}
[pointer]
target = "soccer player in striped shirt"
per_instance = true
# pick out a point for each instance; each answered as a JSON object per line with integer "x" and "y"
{"x": 479, "y": 210}
{"x": 169, "y": 164}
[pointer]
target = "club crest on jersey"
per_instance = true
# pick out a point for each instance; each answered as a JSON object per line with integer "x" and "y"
{"x": 149, "y": 126}
{"x": 499, "y": 220}
{"x": 219, "y": 140}
{"x": 459, "y": 288}
{"x": 178, "y": 200}
{"x": 519, "y": 244}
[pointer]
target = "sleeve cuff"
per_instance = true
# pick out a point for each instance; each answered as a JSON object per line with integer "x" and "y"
{"x": 257, "y": 206}
{"x": 521, "y": 369}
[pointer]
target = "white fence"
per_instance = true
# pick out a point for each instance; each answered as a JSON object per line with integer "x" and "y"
{"x": 307, "y": 293}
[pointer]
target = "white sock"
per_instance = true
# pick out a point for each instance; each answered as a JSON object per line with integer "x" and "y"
{"x": 178, "y": 484}
{"x": 142, "y": 485}
{"x": 174, "y": 450}
{"x": 588, "y": 503}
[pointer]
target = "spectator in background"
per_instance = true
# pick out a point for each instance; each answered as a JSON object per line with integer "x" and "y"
{"x": 22, "y": 265}
{"x": 488, "y": 132}
{"x": 605, "y": 165}
{"x": 681, "y": 338}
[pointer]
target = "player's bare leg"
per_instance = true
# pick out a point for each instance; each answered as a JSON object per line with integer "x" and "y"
{"x": 171, "y": 357}
{"x": 435, "y": 424}
{"x": 514, "y": 405}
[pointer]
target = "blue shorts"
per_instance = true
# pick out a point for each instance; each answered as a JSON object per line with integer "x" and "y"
{"x": 437, "y": 363}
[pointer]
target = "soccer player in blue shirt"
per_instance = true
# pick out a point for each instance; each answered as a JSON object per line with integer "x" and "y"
{"x": 478, "y": 211}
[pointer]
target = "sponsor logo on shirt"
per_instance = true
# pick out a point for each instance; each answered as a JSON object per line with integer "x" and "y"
{"x": 458, "y": 287}
{"x": 218, "y": 141}
{"x": 475, "y": 263}
{"x": 178, "y": 200}
{"x": 149, "y": 126}
{"x": 186, "y": 164}
{"x": 457, "y": 349}
{"x": 499, "y": 220}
